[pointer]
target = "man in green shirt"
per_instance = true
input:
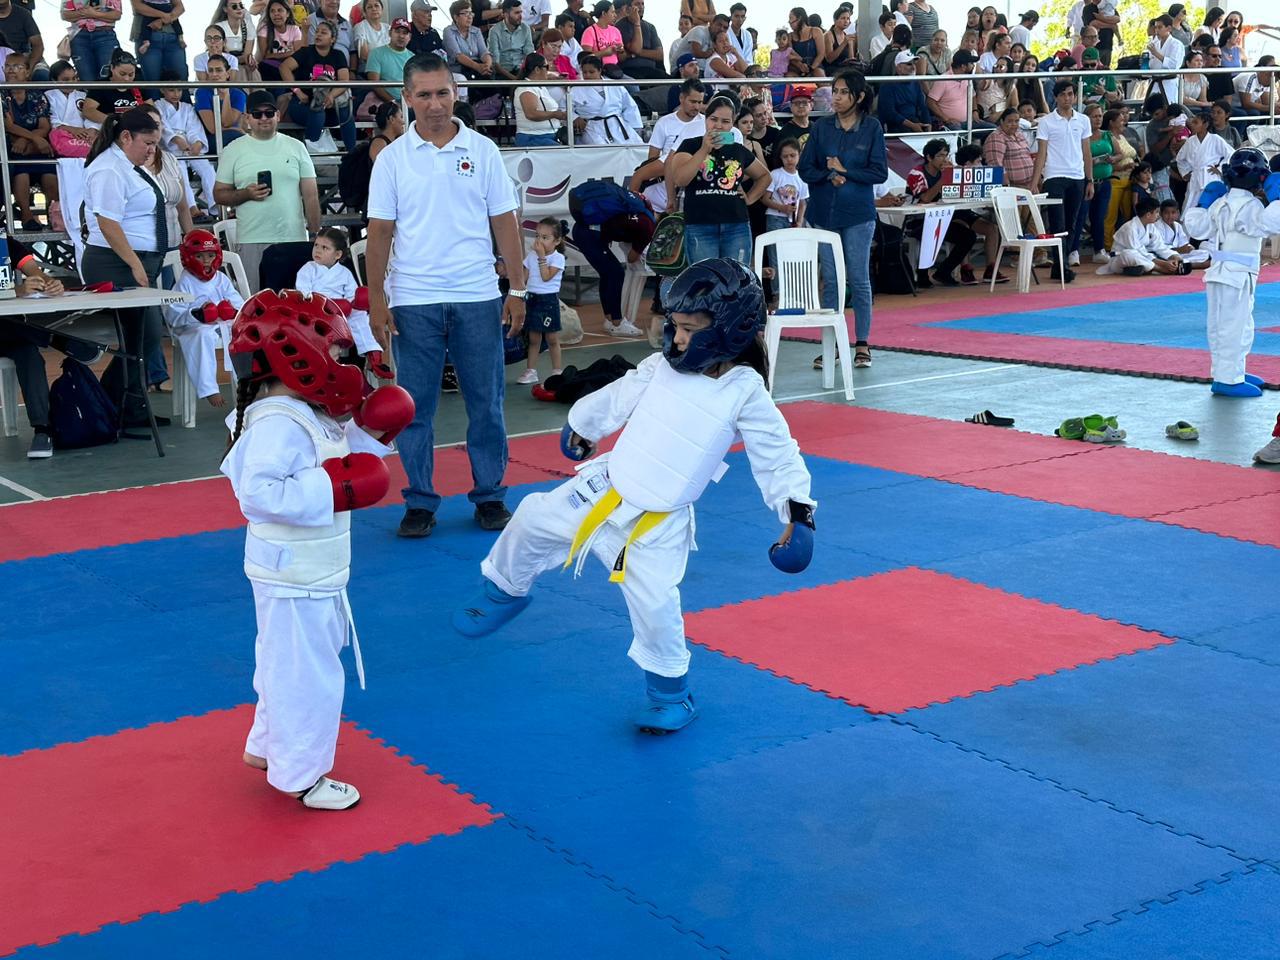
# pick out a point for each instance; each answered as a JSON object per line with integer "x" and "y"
{"x": 271, "y": 182}
{"x": 510, "y": 40}
{"x": 387, "y": 63}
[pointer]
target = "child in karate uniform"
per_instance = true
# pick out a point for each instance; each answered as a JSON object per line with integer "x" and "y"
{"x": 1137, "y": 248}
{"x": 1174, "y": 235}
{"x": 1232, "y": 216}
{"x": 203, "y": 325}
{"x": 679, "y": 412}
{"x": 326, "y": 275}
{"x": 297, "y": 473}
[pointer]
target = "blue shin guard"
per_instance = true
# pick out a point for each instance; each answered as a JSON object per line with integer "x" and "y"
{"x": 1256, "y": 381}
{"x": 488, "y": 611}
{"x": 670, "y": 704}
{"x": 1245, "y": 389}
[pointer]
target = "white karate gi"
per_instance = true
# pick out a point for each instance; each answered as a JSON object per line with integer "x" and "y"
{"x": 1196, "y": 160}
{"x": 1136, "y": 244}
{"x": 182, "y": 121}
{"x": 199, "y": 341}
{"x": 1238, "y": 222}
{"x": 1176, "y": 237}
{"x": 337, "y": 282}
{"x": 611, "y": 115}
{"x": 275, "y": 471}
{"x": 662, "y": 463}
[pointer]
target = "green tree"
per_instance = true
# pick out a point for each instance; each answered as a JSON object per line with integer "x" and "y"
{"x": 1132, "y": 30}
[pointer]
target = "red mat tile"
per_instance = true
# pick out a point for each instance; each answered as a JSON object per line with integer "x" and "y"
{"x": 1255, "y": 518}
{"x": 542, "y": 452}
{"x": 147, "y": 820}
{"x": 810, "y": 420}
{"x": 910, "y": 638}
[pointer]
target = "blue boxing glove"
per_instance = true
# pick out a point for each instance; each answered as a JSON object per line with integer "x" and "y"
{"x": 1211, "y": 192}
{"x": 1271, "y": 187}
{"x": 794, "y": 550}
{"x": 573, "y": 446}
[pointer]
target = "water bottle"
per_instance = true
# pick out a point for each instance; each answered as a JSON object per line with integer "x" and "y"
{"x": 7, "y": 291}
{"x": 1146, "y": 59}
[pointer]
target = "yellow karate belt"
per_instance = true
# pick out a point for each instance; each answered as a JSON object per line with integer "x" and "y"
{"x": 598, "y": 515}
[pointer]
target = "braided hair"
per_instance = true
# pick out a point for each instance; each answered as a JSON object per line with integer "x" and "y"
{"x": 247, "y": 390}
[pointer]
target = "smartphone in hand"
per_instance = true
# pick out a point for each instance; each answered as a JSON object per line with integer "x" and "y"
{"x": 264, "y": 178}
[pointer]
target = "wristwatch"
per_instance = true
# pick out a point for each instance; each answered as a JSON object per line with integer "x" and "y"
{"x": 518, "y": 294}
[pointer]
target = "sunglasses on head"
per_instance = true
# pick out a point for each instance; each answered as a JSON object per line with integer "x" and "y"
{"x": 265, "y": 113}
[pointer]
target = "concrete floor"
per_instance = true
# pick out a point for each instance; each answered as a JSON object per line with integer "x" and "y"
{"x": 1038, "y": 398}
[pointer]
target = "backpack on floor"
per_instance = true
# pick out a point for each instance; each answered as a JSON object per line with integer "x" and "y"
{"x": 592, "y": 202}
{"x": 80, "y": 412}
{"x": 573, "y": 384}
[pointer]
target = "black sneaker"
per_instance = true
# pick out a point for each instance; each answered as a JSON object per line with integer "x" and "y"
{"x": 41, "y": 446}
{"x": 945, "y": 279}
{"x": 1066, "y": 277}
{"x": 449, "y": 381}
{"x": 416, "y": 523}
{"x": 88, "y": 353}
{"x": 492, "y": 515}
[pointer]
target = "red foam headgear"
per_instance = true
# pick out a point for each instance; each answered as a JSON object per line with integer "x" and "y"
{"x": 200, "y": 241}
{"x": 292, "y": 332}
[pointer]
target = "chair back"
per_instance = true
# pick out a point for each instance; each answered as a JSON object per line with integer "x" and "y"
{"x": 796, "y": 264}
{"x": 357, "y": 259}
{"x": 1005, "y": 200}
{"x": 232, "y": 265}
{"x": 225, "y": 231}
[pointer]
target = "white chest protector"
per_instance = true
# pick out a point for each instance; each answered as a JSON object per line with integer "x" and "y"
{"x": 309, "y": 558}
{"x": 676, "y": 439}
{"x": 1238, "y": 257}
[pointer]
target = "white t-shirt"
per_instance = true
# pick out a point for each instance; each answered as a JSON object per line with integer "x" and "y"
{"x": 878, "y": 43}
{"x": 987, "y": 63}
{"x": 440, "y": 201}
{"x": 202, "y": 62}
{"x": 1020, "y": 34}
{"x": 702, "y": 37}
{"x": 670, "y": 131}
{"x": 536, "y": 283}
{"x": 786, "y": 188}
{"x": 1063, "y": 137}
{"x": 236, "y": 40}
{"x": 366, "y": 33}
{"x": 1247, "y": 83}
{"x": 534, "y": 11}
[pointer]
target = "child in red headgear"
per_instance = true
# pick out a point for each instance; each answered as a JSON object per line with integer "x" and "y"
{"x": 203, "y": 324}
{"x": 298, "y": 473}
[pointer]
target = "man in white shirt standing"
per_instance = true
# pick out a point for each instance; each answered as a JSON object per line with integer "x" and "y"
{"x": 671, "y": 130}
{"x": 1022, "y": 32}
{"x": 1167, "y": 53}
{"x": 1065, "y": 167}
{"x": 439, "y": 191}
{"x": 739, "y": 36}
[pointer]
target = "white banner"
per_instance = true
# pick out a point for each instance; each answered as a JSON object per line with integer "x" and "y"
{"x": 543, "y": 178}
{"x": 936, "y": 222}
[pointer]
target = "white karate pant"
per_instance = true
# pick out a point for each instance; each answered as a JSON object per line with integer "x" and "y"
{"x": 299, "y": 681}
{"x": 205, "y": 171}
{"x": 538, "y": 538}
{"x": 1128, "y": 258}
{"x": 362, "y": 333}
{"x": 1230, "y": 329}
{"x": 199, "y": 343}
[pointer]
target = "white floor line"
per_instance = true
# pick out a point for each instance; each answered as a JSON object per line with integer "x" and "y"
{"x": 899, "y": 383}
{"x": 19, "y": 488}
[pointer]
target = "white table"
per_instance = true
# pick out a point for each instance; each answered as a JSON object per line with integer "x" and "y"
{"x": 61, "y": 313}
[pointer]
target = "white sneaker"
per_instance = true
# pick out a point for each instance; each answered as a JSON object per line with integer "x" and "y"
{"x": 1073, "y": 260}
{"x": 624, "y": 329}
{"x": 1270, "y": 453}
{"x": 1102, "y": 257}
{"x": 529, "y": 376}
{"x": 330, "y": 795}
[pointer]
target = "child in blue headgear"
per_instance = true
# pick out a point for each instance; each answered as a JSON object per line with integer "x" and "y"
{"x": 679, "y": 411}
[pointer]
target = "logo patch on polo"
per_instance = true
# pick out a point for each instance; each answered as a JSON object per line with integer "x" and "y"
{"x": 466, "y": 166}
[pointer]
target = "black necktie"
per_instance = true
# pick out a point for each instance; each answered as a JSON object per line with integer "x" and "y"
{"x": 162, "y": 224}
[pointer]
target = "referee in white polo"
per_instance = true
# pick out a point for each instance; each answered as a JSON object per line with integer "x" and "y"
{"x": 442, "y": 193}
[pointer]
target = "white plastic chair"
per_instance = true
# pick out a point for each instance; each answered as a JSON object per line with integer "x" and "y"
{"x": 225, "y": 231}
{"x": 357, "y": 259}
{"x": 1006, "y": 201}
{"x": 9, "y": 396}
{"x": 633, "y": 283}
{"x": 796, "y": 280}
{"x": 185, "y": 401}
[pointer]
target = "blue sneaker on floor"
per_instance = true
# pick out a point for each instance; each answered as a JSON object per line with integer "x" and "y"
{"x": 670, "y": 706}
{"x": 488, "y": 611}
{"x": 1245, "y": 389}
{"x": 1256, "y": 381}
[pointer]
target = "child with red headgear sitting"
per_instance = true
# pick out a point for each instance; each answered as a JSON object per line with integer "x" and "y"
{"x": 298, "y": 473}
{"x": 203, "y": 324}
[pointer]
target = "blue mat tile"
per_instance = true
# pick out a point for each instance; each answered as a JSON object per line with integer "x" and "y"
{"x": 875, "y": 841}
{"x": 1180, "y": 582}
{"x": 491, "y": 892}
{"x": 57, "y": 593}
{"x": 1259, "y": 639}
{"x": 1235, "y": 918}
{"x": 1180, "y": 734}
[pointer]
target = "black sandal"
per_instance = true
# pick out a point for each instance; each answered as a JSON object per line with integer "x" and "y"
{"x": 862, "y": 356}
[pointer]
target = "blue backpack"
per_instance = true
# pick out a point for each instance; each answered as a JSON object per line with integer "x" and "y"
{"x": 592, "y": 202}
{"x": 80, "y": 412}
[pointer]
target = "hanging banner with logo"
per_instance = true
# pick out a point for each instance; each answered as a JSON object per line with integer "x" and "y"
{"x": 936, "y": 222}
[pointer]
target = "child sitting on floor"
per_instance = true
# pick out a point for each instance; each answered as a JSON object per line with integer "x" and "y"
{"x": 1138, "y": 249}
{"x": 1174, "y": 235}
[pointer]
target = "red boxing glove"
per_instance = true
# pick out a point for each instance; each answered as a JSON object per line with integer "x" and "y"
{"x": 359, "y": 480}
{"x": 343, "y": 305}
{"x": 388, "y": 409}
{"x": 105, "y": 286}
{"x": 361, "y": 302}
{"x": 381, "y": 369}
{"x": 227, "y": 310}
{"x": 206, "y": 313}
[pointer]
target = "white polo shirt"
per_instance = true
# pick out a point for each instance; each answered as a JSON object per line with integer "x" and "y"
{"x": 440, "y": 201}
{"x": 115, "y": 190}
{"x": 1064, "y": 136}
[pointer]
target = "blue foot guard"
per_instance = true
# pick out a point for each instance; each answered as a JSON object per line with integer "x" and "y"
{"x": 488, "y": 611}
{"x": 670, "y": 705}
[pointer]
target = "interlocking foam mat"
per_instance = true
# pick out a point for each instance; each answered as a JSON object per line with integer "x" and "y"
{"x": 997, "y": 717}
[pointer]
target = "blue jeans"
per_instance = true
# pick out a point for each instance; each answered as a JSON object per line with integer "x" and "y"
{"x": 472, "y": 335}
{"x": 856, "y": 241}
{"x": 536, "y": 140}
{"x": 92, "y": 51}
{"x": 707, "y": 241}
{"x": 314, "y": 121}
{"x": 165, "y": 55}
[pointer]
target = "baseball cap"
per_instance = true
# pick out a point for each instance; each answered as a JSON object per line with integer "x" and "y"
{"x": 904, "y": 56}
{"x": 961, "y": 57}
{"x": 420, "y": 5}
{"x": 802, "y": 91}
{"x": 683, "y": 59}
{"x": 1091, "y": 53}
{"x": 1030, "y": 15}
{"x": 400, "y": 23}
{"x": 260, "y": 99}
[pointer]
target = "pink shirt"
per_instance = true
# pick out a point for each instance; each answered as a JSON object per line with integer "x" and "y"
{"x": 283, "y": 41}
{"x": 598, "y": 37}
{"x": 89, "y": 23}
{"x": 951, "y": 97}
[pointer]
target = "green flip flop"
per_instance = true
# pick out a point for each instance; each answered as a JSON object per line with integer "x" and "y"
{"x": 1100, "y": 429}
{"x": 1181, "y": 431}
{"x": 1071, "y": 429}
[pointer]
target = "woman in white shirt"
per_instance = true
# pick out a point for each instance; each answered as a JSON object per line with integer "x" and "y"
{"x": 215, "y": 43}
{"x": 724, "y": 60}
{"x": 1195, "y": 88}
{"x": 538, "y": 116}
{"x": 124, "y": 210}
{"x": 370, "y": 33}
{"x": 238, "y": 33}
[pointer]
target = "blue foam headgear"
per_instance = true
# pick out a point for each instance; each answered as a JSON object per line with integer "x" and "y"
{"x": 732, "y": 296}
{"x": 1246, "y": 169}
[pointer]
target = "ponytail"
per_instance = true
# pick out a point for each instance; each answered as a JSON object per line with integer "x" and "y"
{"x": 134, "y": 121}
